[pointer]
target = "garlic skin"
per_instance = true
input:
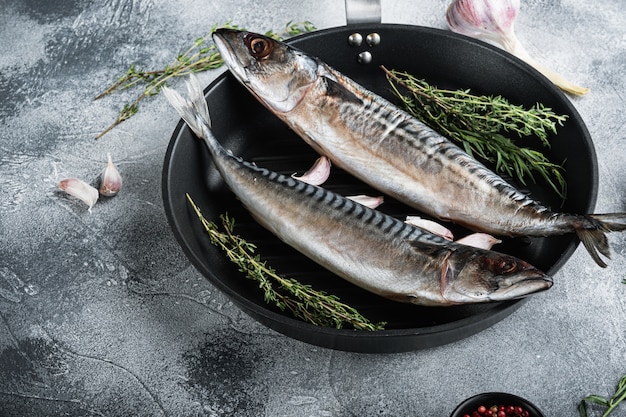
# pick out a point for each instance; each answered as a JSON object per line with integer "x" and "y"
{"x": 367, "y": 201}
{"x": 110, "y": 180}
{"x": 318, "y": 173}
{"x": 430, "y": 226}
{"x": 494, "y": 20}
{"x": 484, "y": 19}
{"x": 479, "y": 240}
{"x": 81, "y": 190}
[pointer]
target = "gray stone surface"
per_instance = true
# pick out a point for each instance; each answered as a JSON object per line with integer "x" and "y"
{"x": 101, "y": 314}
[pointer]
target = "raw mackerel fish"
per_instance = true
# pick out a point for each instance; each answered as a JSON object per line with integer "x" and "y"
{"x": 375, "y": 251}
{"x": 392, "y": 151}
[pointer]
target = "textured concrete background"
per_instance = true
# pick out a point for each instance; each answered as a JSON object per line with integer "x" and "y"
{"x": 101, "y": 314}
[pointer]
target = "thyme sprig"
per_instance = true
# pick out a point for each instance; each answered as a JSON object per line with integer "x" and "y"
{"x": 304, "y": 302}
{"x": 477, "y": 123}
{"x": 201, "y": 56}
{"x": 610, "y": 403}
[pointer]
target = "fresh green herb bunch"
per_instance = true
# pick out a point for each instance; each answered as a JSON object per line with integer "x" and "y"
{"x": 304, "y": 302}
{"x": 610, "y": 403}
{"x": 478, "y": 123}
{"x": 201, "y": 56}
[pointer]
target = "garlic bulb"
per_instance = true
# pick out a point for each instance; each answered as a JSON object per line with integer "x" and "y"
{"x": 494, "y": 20}
{"x": 318, "y": 173}
{"x": 110, "y": 180}
{"x": 81, "y": 190}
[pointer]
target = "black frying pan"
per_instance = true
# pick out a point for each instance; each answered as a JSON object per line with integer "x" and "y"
{"x": 249, "y": 130}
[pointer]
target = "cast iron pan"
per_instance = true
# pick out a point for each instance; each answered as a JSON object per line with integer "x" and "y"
{"x": 249, "y": 130}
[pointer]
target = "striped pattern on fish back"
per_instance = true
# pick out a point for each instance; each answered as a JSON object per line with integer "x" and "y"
{"x": 326, "y": 202}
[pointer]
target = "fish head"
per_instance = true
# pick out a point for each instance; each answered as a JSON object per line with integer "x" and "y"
{"x": 474, "y": 275}
{"x": 276, "y": 73}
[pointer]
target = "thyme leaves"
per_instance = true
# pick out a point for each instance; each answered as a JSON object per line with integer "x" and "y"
{"x": 302, "y": 300}
{"x": 478, "y": 124}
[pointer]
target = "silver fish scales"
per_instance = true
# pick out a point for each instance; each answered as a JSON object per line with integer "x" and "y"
{"x": 366, "y": 247}
{"x": 392, "y": 151}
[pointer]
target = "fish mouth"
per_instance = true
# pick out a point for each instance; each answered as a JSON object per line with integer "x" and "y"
{"x": 225, "y": 41}
{"x": 522, "y": 287}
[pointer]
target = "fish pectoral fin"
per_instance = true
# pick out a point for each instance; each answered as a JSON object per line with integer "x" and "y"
{"x": 438, "y": 257}
{"x": 336, "y": 90}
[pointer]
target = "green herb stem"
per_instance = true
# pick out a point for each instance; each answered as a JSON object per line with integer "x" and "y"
{"x": 611, "y": 404}
{"x": 201, "y": 56}
{"x": 304, "y": 302}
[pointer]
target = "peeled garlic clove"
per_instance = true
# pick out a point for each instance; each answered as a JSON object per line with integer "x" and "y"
{"x": 318, "y": 173}
{"x": 81, "y": 190}
{"x": 367, "y": 201}
{"x": 430, "y": 226}
{"x": 110, "y": 180}
{"x": 479, "y": 240}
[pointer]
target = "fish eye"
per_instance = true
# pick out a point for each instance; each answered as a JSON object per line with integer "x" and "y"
{"x": 504, "y": 266}
{"x": 258, "y": 46}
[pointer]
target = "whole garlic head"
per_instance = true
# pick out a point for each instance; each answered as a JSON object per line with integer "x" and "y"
{"x": 484, "y": 19}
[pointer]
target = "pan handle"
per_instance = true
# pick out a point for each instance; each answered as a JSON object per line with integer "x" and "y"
{"x": 362, "y": 11}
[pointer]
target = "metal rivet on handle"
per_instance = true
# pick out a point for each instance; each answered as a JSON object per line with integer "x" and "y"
{"x": 373, "y": 39}
{"x": 356, "y": 39}
{"x": 365, "y": 57}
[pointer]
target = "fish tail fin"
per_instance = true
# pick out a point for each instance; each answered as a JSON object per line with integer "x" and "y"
{"x": 593, "y": 234}
{"x": 193, "y": 110}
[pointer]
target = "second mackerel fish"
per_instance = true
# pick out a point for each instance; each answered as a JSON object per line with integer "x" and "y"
{"x": 375, "y": 251}
{"x": 392, "y": 151}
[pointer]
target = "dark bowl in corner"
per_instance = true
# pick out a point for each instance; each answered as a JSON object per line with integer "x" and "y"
{"x": 489, "y": 399}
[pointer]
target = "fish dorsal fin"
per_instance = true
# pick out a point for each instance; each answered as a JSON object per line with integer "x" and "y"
{"x": 337, "y": 90}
